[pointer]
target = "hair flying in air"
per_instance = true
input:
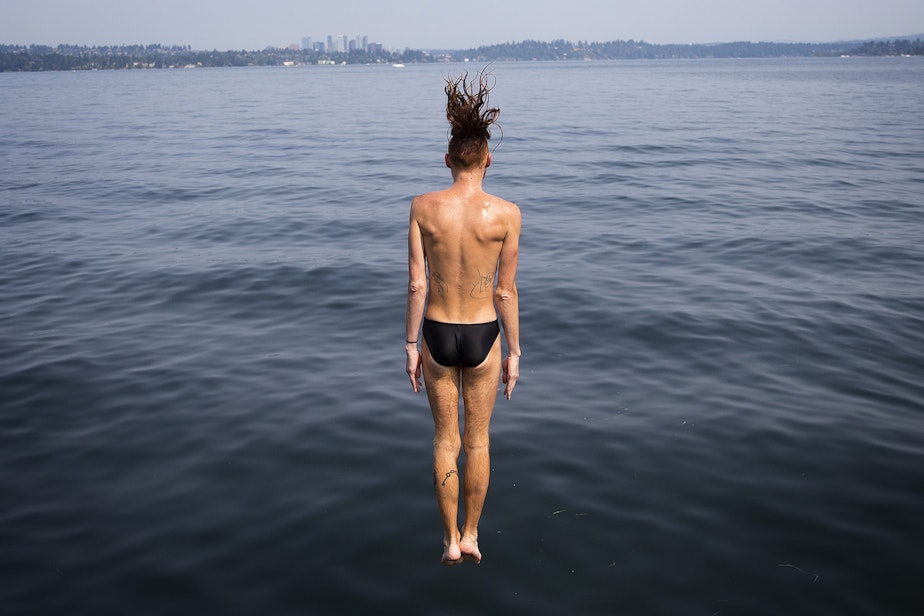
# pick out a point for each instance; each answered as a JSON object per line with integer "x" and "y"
{"x": 470, "y": 119}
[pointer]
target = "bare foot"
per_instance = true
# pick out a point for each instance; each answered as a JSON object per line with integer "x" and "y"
{"x": 452, "y": 554}
{"x": 469, "y": 548}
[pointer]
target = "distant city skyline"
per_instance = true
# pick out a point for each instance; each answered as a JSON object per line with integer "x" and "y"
{"x": 423, "y": 24}
{"x": 339, "y": 43}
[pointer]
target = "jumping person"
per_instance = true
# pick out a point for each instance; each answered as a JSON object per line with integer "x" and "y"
{"x": 462, "y": 260}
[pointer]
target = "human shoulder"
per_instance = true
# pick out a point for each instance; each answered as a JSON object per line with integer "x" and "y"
{"x": 418, "y": 206}
{"x": 425, "y": 201}
{"x": 508, "y": 209}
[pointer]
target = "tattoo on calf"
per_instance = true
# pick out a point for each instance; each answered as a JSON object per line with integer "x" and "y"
{"x": 448, "y": 475}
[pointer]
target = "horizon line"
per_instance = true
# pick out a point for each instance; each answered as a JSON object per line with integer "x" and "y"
{"x": 514, "y": 42}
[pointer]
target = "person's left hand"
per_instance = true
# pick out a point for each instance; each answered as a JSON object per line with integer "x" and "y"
{"x": 413, "y": 367}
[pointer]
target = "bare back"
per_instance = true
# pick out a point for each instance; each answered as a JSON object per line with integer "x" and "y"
{"x": 468, "y": 238}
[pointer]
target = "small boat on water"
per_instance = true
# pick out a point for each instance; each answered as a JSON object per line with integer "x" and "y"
{"x": 398, "y": 65}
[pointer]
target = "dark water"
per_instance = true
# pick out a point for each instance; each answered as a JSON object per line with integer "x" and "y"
{"x": 721, "y": 410}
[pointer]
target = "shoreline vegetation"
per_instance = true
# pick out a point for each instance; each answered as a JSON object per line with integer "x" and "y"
{"x": 30, "y": 58}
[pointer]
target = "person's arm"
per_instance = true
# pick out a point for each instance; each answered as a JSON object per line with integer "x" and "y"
{"x": 416, "y": 299}
{"x": 507, "y": 302}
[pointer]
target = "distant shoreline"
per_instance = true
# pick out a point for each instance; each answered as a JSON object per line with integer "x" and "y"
{"x": 33, "y": 58}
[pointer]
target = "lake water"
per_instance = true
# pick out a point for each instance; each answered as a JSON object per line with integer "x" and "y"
{"x": 721, "y": 409}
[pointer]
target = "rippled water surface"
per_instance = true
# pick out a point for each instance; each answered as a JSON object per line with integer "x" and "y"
{"x": 721, "y": 410}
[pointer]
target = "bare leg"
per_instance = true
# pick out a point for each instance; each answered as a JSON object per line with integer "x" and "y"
{"x": 442, "y": 384}
{"x": 479, "y": 391}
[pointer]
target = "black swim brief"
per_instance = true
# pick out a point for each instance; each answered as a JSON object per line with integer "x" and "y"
{"x": 454, "y": 344}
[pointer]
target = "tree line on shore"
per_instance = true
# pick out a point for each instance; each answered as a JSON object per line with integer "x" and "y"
{"x": 627, "y": 50}
{"x": 21, "y": 58}
{"x": 73, "y": 57}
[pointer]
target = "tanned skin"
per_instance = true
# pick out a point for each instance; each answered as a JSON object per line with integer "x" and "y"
{"x": 468, "y": 242}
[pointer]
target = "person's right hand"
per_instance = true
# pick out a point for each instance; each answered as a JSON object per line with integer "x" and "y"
{"x": 511, "y": 374}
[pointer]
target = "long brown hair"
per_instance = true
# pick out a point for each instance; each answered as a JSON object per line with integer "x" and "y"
{"x": 470, "y": 119}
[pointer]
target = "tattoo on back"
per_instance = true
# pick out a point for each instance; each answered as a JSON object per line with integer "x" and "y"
{"x": 441, "y": 285}
{"x": 483, "y": 287}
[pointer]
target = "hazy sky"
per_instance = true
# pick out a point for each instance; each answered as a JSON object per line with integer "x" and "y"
{"x": 429, "y": 24}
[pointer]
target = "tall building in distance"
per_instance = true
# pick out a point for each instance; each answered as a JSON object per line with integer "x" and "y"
{"x": 341, "y": 43}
